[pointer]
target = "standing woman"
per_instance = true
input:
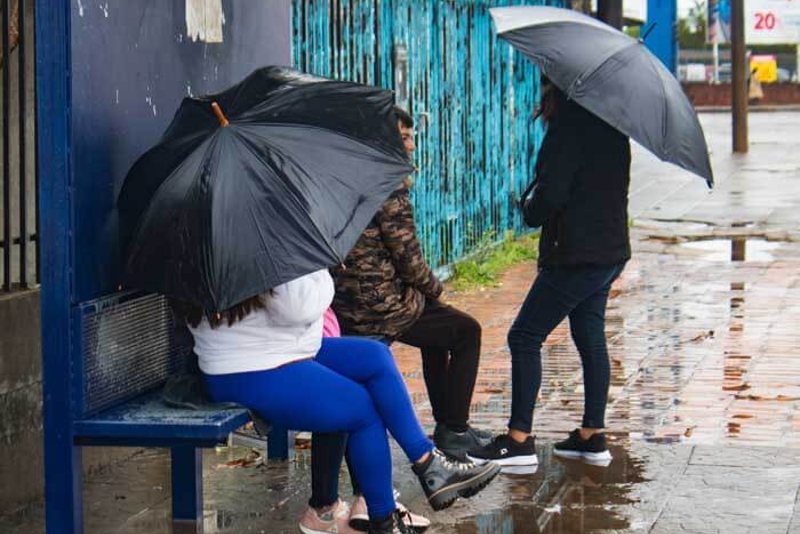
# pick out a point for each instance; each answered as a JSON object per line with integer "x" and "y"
{"x": 580, "y": 200}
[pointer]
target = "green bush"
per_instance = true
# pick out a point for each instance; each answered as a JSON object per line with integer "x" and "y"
{"x": 484, "y": 267}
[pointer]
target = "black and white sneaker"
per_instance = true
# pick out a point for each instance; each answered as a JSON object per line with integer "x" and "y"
{"x": 592, "y": 450}
{"x": 504, "y": 451}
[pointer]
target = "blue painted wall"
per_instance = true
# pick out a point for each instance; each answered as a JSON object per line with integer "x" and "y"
{"x": 132, "y": 63}
{"x": 663, "y": 39}
{"x": 476, "y": 154}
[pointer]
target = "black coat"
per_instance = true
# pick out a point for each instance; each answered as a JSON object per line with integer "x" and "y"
{"x": 580, "y": 196}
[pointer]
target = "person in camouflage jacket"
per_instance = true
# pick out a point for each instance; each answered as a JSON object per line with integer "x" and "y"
{"x": 386, "y": 290}
{"x": 382, "y": 288}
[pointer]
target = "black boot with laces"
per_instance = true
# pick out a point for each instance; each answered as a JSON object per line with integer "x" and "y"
{"x": 444, "y": 479}
{"x": 392, "y": 524}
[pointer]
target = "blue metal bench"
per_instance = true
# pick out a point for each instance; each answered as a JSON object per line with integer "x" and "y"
{"x": 129, "y": 345}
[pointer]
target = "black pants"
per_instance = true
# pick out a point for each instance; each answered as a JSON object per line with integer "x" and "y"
{"x": 450, "y": 342}
{"x": 327, "y": 453}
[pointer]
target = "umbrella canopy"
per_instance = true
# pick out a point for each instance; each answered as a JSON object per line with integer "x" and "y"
{"x": 612, "y": 75}
{"x": 278, "y": 181}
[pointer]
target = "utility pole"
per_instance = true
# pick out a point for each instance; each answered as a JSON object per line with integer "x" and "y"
{"x": 738, "y": 77}
{"x": 663, "y": 38}
{"x": 610, "y": 12}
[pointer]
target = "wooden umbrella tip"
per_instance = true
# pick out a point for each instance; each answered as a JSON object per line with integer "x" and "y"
{"x": 223, "y": 120}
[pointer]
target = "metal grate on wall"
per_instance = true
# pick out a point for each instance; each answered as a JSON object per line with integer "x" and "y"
{"x": 18, "y": 195}
{"x": 471, "y": 96}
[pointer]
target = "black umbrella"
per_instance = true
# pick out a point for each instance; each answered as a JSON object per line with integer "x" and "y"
{"x": 269, "y": 180}
{"x": 613, "y": 76}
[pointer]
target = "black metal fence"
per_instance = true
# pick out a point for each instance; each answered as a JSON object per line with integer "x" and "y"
{"x": 19, "y": 265}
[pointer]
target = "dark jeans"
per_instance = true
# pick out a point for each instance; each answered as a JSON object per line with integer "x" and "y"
{"x": 450, "y": 342}
{"x": 579, "y": 293}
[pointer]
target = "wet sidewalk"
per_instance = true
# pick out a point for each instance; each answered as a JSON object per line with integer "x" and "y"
{"x": 704, "y": 412}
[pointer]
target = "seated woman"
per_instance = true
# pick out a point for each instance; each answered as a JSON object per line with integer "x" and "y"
{"x": 267, "y": 353}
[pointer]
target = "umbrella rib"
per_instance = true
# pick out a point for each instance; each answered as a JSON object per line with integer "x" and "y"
{"x": 594, "y": 68}
{"x": 663, "y": 99}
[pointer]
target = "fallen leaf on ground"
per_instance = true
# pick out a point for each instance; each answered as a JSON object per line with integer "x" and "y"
{"x": 665, "y": 238}
{"x": 703, "y": 336}
{"x": 750, "y": 397}
{"x": 689, "y": 431}
{"x": 252, "y": 459}
{"x": 779, "y": 398}
{"x": 738, "y": 387}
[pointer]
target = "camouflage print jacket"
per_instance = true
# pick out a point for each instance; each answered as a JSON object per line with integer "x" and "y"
{"x": 382, "y": 289}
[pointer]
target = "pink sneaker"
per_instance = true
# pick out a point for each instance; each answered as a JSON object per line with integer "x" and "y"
{"x": 334, "y": 520}
{"x": 359, "y": 518}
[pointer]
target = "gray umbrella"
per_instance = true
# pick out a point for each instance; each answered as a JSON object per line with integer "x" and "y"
{"x": 612, "y": 75}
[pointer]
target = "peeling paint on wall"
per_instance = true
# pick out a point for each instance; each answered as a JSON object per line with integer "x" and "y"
{"x": 204, "y": 20}
{"x": 476, "y": 152}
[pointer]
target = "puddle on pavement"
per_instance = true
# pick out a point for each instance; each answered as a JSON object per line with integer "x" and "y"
{"x": 562, "y": 496}
{"x": 558, "y": 497}
{"x": 738, "y": 249}
{"x": 675, "y": 226}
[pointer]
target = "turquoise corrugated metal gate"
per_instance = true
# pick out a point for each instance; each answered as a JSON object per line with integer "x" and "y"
{"x": 477, "y": 143}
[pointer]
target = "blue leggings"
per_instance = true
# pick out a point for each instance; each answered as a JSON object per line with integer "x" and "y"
{"x": 352, "y": 386}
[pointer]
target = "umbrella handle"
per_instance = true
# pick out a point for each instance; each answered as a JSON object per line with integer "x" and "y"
{"x": 223, "y": 120}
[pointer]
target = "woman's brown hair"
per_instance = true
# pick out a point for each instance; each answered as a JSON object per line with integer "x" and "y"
{"x": 193, "y": 315}
{"x": 553, "y": 101}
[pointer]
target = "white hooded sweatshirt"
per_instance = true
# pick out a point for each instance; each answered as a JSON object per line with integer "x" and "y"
{"x": 288, "y": 329}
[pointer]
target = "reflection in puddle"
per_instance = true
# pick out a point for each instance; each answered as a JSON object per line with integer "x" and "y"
{"x": 519, "y": 469}
{"x": 561, "y": 496}
{"x": 736, "y": 249}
